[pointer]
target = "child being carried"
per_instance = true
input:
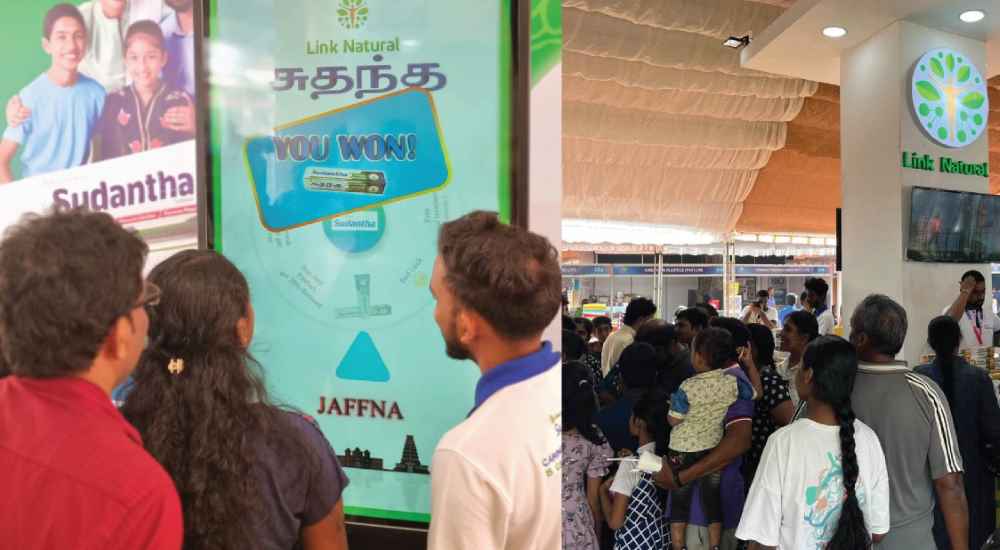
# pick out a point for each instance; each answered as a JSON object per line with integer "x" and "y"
{"x": 697, "y": 411}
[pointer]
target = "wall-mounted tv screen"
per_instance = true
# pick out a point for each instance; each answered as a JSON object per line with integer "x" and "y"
{"x": 953, "y": 226}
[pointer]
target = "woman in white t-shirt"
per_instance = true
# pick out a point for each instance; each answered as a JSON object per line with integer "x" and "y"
{"x": 822, "y": 481}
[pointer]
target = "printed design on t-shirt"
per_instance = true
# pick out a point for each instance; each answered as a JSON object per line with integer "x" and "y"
{"x": 123, "y": 117}
{"x": 824, "y": 501}
{"x": 552, "y": 464}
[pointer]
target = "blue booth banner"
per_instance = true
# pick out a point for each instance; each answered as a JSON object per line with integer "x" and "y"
{"x": 783, "y": 270}
{"x": 586, "y": 270}
{"x": 680, "y": 270}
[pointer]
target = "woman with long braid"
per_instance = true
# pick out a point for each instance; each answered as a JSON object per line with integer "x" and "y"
{"x": 822, "y": 481}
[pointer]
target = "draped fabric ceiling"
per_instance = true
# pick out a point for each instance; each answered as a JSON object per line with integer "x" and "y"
{"x": 661, "y": 124}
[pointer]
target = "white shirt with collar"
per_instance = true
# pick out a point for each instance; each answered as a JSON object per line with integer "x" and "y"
{"x": 987, "y": 321}
{"x": 496, "y": 479}
{"x": 826, "y": 322}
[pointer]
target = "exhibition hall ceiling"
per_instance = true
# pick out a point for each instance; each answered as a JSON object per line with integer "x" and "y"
{"x": 663, "y": 125}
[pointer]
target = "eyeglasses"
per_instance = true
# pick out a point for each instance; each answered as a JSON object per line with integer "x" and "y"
{"x": 150, "y": 296}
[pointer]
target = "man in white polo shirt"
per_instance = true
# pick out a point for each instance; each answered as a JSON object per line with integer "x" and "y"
{"x": 977, "y": 323}
{"x": 496, "y": 477}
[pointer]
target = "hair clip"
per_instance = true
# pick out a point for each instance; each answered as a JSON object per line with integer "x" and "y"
{"x": 176, "y": 366}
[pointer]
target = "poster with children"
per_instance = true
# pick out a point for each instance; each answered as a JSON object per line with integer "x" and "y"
{"x": 99, "y": 111}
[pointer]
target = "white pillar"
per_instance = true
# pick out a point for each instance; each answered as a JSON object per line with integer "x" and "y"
{"x": 877, "y": 125}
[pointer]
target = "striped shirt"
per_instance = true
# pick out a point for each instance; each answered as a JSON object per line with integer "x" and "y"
{"x": 910, "y": 414}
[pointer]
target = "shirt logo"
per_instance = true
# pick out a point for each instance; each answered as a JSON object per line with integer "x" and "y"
{"x": 123, "y": 117}
{"x": 352, "y": 14}
{"x": 949, "y": 98}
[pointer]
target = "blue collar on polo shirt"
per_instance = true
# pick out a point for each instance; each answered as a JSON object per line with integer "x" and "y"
{"x": 514, "y": 371}
{"x": 821, "y": 310}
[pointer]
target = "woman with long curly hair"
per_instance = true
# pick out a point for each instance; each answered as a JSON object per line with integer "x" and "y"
{"x": 822, "y": 480}
{"x": 250, "y": 475}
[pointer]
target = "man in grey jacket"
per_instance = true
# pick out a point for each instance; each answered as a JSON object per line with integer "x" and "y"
{"x": 910, "y": 414}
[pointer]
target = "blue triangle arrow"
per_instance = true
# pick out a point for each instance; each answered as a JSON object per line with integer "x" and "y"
{"x": 363, "y": 361}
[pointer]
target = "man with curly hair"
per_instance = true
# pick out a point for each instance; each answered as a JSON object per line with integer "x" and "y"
{"x": 73, "y": 323}
{"x": 496, "y": 477}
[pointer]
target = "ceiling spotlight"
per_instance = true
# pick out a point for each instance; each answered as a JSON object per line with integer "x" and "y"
{"x": 972, "y": 16}
{"x": 834, "y": 32}
{"x": 737, "y": 42}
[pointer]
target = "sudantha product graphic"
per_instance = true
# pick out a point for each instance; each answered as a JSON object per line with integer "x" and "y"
{"x": 345, "y": 181}
{"x": 349, "y": 160}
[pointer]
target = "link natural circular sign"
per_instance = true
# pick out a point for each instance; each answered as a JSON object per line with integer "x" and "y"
{"x": 949, "y": 98}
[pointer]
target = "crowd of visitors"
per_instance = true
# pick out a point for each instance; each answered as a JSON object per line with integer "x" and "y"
{"x": 697, "y": 435}
{"x": 825, "y": 442}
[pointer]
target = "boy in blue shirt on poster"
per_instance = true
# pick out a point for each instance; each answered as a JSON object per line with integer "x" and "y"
{"x": 65, "y": 105}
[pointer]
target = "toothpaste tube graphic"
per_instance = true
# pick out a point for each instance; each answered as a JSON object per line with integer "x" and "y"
{"x": 344, "y": 181}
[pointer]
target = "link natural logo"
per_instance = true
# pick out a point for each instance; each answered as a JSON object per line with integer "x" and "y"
{"x": 949, "y": 98}
{"x": 352, "y": 14}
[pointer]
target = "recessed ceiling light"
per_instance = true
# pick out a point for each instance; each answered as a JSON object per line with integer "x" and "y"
{"x": 834, "y": 32}
{"x": 972, "y": 16}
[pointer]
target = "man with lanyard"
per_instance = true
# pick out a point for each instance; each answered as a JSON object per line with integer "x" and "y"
{"x": 495, "y": 478}
{"x": 978, "y": 326}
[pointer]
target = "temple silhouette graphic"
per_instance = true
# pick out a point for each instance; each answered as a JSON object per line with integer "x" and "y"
{"x": 409, "y": 462}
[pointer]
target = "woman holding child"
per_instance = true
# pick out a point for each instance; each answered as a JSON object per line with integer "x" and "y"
{"x": 697, "y": 412}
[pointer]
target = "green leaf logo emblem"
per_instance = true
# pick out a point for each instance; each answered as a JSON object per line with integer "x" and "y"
{"x": 928, "y": 91}
{"x": 949, "y": 98}
{"x": 352, "y": 14}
